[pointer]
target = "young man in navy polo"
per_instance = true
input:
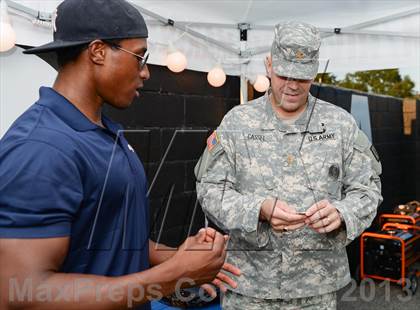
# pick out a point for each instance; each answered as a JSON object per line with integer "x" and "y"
{"x": 73, "y": 206}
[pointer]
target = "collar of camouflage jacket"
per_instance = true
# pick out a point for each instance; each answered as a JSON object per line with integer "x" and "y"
{"x": 273, "y": 122}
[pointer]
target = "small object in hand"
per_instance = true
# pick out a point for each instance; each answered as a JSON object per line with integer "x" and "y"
{"x": 285, "y": 229}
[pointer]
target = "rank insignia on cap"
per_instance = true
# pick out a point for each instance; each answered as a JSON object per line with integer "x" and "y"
{"x": 212, "y": 140}
{"x": 300, "y": 55}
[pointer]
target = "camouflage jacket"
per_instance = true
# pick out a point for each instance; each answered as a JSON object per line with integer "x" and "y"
{"x": 254, "y": 156}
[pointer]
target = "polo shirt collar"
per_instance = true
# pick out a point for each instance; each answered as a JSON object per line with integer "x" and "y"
{"x": 71, "y": 115}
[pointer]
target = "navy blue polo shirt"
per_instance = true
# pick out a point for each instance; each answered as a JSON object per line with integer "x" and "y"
{"x": 62, "y": 175}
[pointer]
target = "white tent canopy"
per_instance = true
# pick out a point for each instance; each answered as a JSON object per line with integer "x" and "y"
{"x": 374, "y": 34}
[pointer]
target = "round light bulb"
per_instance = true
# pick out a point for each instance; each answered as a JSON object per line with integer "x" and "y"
{"x": 261, "y": 83}
{"x": 216, "y": 77}
{"x": 176, "y": 61}
{"x": 7, "y": 37}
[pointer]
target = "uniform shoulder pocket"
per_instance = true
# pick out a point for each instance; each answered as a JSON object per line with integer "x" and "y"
{"x": 362, "y": 144}
{"x": 210, "y": 154}
{"x": 361, "y": 141}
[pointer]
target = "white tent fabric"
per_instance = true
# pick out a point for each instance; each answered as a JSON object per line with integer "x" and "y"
{"x": 374, "y": 34}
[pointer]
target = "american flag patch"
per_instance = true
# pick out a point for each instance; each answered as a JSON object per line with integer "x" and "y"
{"x": 212, "y": 141}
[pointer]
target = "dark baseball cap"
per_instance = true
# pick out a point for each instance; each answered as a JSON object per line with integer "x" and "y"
{"x": 77, "y": 22}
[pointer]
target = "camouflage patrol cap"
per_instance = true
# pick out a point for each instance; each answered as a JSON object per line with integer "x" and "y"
{"x": 295, "y": 50}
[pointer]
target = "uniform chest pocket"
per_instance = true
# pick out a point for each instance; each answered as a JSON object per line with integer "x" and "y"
{"x": 323, "y": 170}
{"x": 256, "y": 158}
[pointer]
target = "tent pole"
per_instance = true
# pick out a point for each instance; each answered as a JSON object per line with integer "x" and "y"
{"x": 186, "y": 29}
{"x": 384, "y": 19}
{"x": 34, "y": 13}
{"x": 244, "y": 89}
{"x": 382, "y": 33}
{"x": 195, "y": 24}
{"x": 376, "y": 21}
{"x": 243, "y": 36}
{"x": 264, "y": 49}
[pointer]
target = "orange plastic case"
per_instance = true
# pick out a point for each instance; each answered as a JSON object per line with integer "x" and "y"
{"x": 390, "y": 253}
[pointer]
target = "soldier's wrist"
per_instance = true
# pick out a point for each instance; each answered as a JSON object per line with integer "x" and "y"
{"x": 266, "y": 209}
{"x": 340, "y": 215}
{"x": 262, "y": 211}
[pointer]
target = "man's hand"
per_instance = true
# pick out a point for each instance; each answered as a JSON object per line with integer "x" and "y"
{"x": 201, "y": 261}
{"x": 39, "y": 260}
{"x": 281, "y": 216}
{"x": 222, "y": 279}
{"x": 323, "y": 217}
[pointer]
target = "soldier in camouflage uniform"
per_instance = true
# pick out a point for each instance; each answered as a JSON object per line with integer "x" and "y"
{"x": 293, "y": 180}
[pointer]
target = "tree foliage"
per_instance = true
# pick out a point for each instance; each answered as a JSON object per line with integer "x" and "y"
{"x": 326, "y": 78}
{"x": 385, "y": 82}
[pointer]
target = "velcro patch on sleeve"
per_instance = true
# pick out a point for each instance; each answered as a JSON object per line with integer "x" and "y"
{"x": 361, "y": 141}
{"x": 211, "y": 152}
{"x": 363, "y": 144}
{"x": 212, "y": 141}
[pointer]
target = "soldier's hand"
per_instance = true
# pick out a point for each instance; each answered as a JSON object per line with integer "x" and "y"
{"x": 222, "y": 280}
{"x": 281, "y": 216}
{"x": 323, "y": 217}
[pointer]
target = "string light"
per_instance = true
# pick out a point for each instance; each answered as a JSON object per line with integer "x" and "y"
{"x": 261, "y": 83}
{"x": 175, "y": 59}
{"x": 216, "y": 77}
{"x": 7, "y": 33}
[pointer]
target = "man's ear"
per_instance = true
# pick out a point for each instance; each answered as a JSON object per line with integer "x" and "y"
{"x": 97, "y": 51}
{"x": 268, "y": 66}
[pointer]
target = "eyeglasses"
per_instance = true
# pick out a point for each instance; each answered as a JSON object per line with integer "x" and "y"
{"x": 142, "y": 59}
